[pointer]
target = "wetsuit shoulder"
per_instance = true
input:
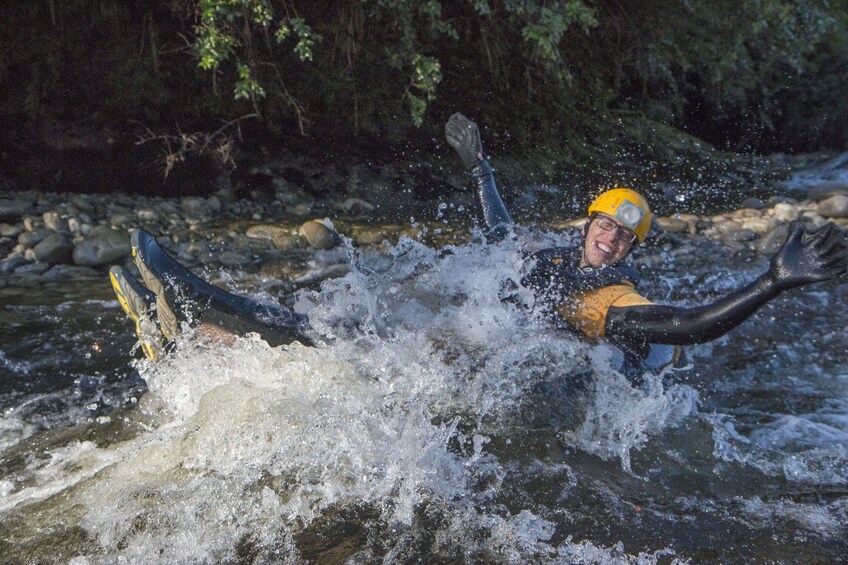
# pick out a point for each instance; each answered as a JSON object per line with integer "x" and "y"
{"x": 587, "y": 310}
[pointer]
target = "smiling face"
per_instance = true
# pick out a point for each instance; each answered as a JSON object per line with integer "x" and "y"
{"x": 605, "y": 246}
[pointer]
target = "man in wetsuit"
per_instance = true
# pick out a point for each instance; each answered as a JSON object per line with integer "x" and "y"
{"x": 593, "y": 293}
{"x": 589, "y": 289}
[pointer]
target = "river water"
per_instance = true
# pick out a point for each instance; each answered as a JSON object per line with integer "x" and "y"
{"x": 432, "y": 423}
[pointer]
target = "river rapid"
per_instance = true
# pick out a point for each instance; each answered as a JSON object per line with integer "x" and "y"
{"x": 433, "y": 422}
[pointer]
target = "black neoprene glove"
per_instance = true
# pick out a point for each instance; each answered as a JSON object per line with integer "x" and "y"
{"x": 808, "y": 256}
{"x": 464, "y": 136}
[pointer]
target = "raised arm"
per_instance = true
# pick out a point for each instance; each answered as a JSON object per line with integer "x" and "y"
{"x": 807, "y": 256}
{"x": 464, "y": 136}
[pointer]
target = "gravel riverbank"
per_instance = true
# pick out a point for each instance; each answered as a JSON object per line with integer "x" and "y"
{"x": 55, "y": 236}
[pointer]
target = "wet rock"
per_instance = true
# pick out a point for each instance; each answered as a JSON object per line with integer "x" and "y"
{"x": 355, "y": 203}
{"x": 835, "y": 206}
{"x": 266, "y": 231}
{"x": 299, "y": 210}
{"x": 195, "y": 207}
{"x": 147, "y": 215}
{"x": 213, "y": 204}
{"x": 32, "y": 224}
{"x": 780, "y": 199}
{"x": 318, "y": 235}
{"x": 280, "y": 237}
{"x": 738, "y": 235}
{"x": 70, "y": 272}
{"x": 11, "y": 263}
{"x": 743, "y": 213}
{"x": 53, "y": 221}
{"x": 760, "y": 225}
{"x": 103, "y": 246}
{"x": 232, "y": 259}
{"x": 784, "y": 212}
{"x": 10, "y": 230}
{"x": 75, "y": 226}
{"x": 772, "y": 241}
{"x": 11, "y": 209}
{"x": 33, "y": 238}
{"x": 364, "y": 235}
{"x": 753, "y": 203}
{"x": 34, "y": 268}
{"x": 166, "y": 209}
{"x": 825, "y": 190}
{"x": 813, "y": 218}
{"x": 83, "y": 202}
{"x": 54, "y": 249}
{"x": 672, "y": 225}
{"x": 123, "y": 221}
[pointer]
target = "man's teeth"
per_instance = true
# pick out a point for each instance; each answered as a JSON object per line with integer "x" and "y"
{"x": 604, "y": 248}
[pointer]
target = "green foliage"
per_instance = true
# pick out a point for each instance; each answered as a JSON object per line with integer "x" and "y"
{"x": 767, "y": 73}
{"x": 412, "y": 34}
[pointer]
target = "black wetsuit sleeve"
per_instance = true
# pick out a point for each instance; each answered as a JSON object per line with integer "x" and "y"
{"x": 654, "y": 323}
{"x": 495, "y": 216}
{"x": 807, "y": 256}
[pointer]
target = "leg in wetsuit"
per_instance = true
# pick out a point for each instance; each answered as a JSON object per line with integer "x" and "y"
{"x": 182, "y": 296}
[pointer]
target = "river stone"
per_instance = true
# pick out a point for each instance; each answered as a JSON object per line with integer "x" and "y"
{"x": 824, "y": 190}
{"x": 34, "y": 268}
{"x": 54, "y": 249}
{"x": 75, "y": 226}
{"x": 83, "y": 202}
{"x": 213, "y": 204}
{"x": 319, "y": 235}
{"x": 761, "y": 225}
{"x": 772, "y": 241}
{"x": 738, "y": 235}
{"x": 813, "y": 218}
{"x": 32, "y": 224}
{"x": 781, "y": 199}
{"x": 350, "y": 203}
{"x": 11, "y": 209}
{"x": 784, "y": 212}
{"x": 123, "y": 220}
{"x": 265, "y": 231}
{"x": 34, "y": 237}
{"x": 166, "y": 208}
{"x": 53, "y": 221}
{"x": 299, "y": 210}
{"x": 147, "y": 215}
{"x": 11, "y": 263}
{"x": 103, "y": 246}
{"x": 6, "y": 245}
{"x": 232, "y": 259}
{"x": 10, "y": 230}
{"x": 835, "y": 206}
{"x": 195, "y": 207}
{"x": 671, "y": 224}
{"x": 753, "y": 203}
{"x": 70, "y": 272}
{"x": 290, "y": 242}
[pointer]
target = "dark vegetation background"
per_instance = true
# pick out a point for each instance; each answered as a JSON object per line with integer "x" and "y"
{"x": 103, "y": 95}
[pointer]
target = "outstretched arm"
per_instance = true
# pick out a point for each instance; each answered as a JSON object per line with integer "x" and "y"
{"x": 805, "y": 257}
{"x": 464, "y": 136}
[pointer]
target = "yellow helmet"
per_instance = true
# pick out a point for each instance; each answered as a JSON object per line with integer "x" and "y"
{"x": 628, "y": 207}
